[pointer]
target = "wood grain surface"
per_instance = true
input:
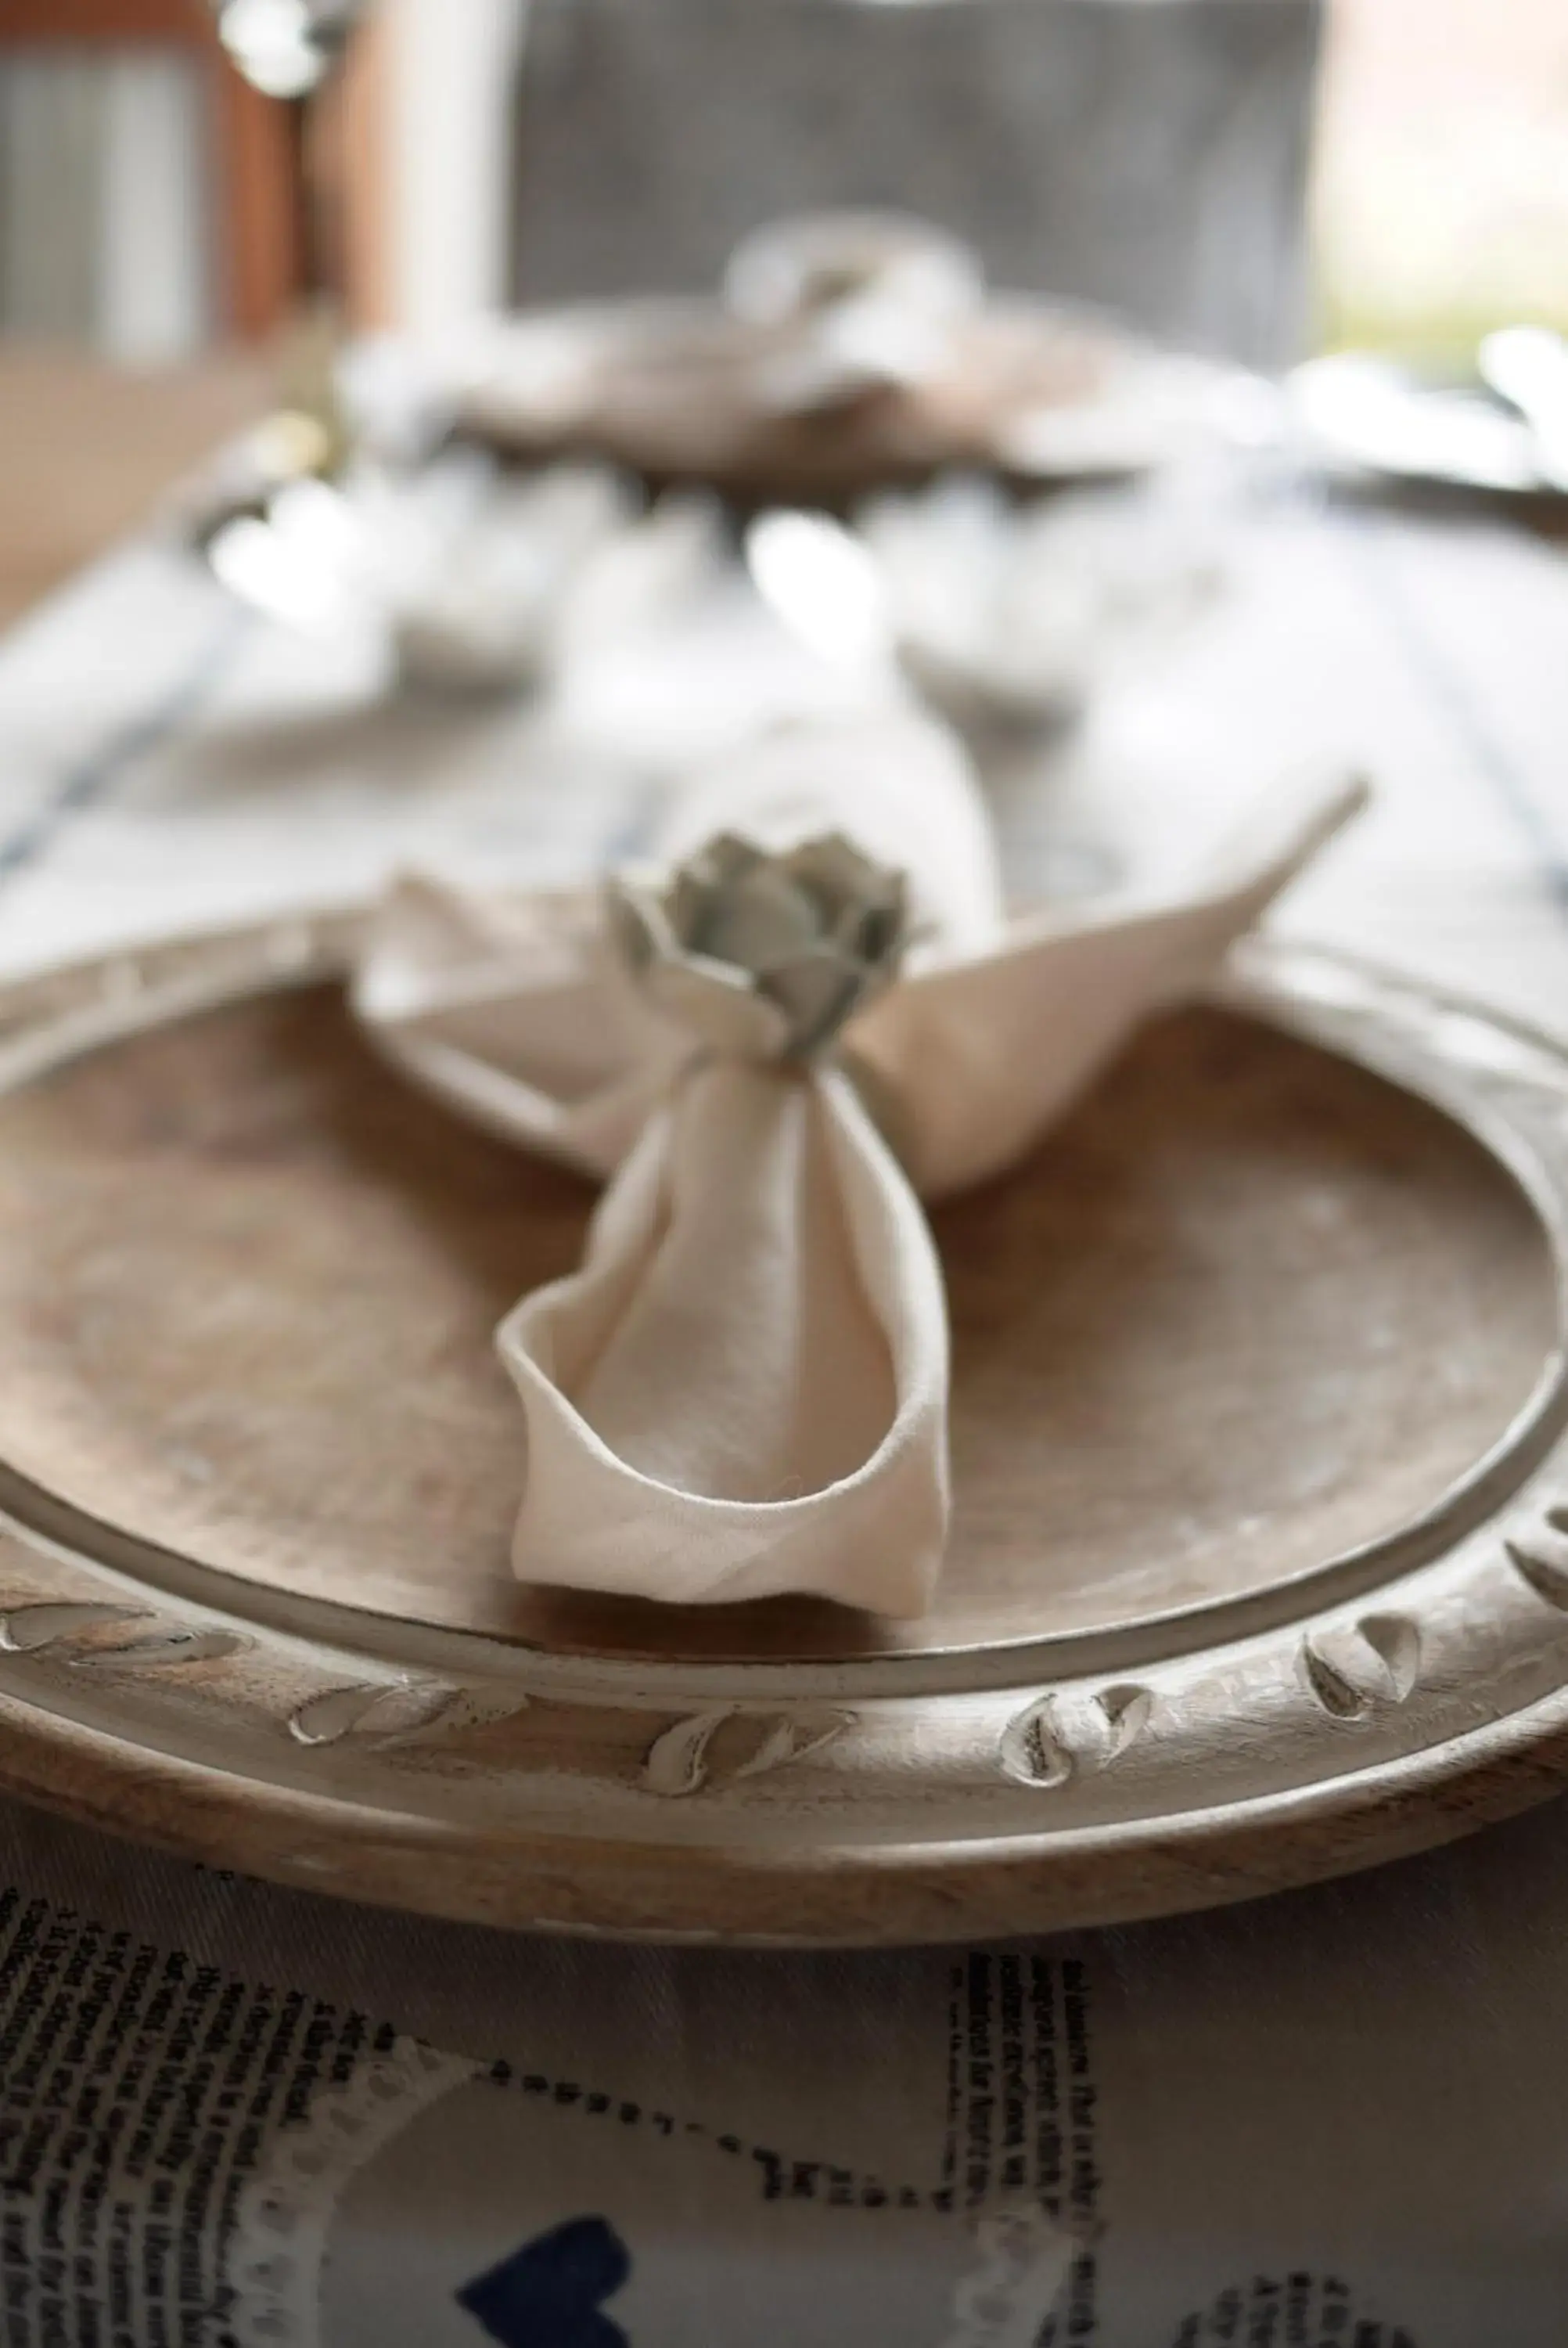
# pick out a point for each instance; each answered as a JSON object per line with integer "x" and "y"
{"x": 96, "y": 446}
{"x": 1252, "y": 1308}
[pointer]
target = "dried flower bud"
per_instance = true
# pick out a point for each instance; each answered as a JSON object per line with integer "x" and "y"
{"x": 764, "y": 955}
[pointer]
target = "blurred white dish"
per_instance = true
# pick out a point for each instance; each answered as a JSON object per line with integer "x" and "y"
{"x": 996, "y": 613}
{"x": 1364, "y": 416}
{"x": 479, "y": 579}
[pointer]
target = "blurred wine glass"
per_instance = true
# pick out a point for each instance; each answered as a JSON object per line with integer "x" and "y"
{"x": 245, "y": 521}
{"x": 285, "y": 48}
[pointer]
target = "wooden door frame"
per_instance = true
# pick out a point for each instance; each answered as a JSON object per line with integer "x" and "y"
{"x": 257, "y": 254}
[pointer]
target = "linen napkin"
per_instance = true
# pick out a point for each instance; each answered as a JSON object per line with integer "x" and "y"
{"x": 810, "y": 1014}
{"x": 849, "y": 304}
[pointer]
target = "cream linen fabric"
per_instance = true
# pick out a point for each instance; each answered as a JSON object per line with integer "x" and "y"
{"x": 743, "y": 1390}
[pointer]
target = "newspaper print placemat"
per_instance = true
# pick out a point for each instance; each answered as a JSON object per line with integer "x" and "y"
{"x": 236, "y": 2115}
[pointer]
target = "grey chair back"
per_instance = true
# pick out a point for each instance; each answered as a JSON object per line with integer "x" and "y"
{"x": 1149, "y": 155}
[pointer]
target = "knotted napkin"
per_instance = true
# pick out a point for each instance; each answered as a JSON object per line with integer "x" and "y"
{"x": 809, "y": 1015}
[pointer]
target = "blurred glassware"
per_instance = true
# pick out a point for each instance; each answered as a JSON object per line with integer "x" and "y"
{"x": 285, "y": 48}
{"x": 476, "y": 571}
{"x": 1528, "y": 366}
{"x": 479, "y": 579}
{"x": 1365, "y": 418}
{"x": 821, "y": 580}
{"x": 299, "y": 555}
{"x": 289, "y": 51}
{"x": 1156, "y": 407}
{"x": 1009, "y": 615}
{"x": 997, "y": 614}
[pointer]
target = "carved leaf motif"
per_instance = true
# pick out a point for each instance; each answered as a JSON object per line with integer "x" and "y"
{"x": 1059, "y": 1736}
{"x": 1126, "y": 1711}
{"x": 29, "y": 1630}
{"x": 1396, "y": 1640}
{"x": 1033, "y": 1749}
{"x": 67, "y": 1628}
{"x": 790, "y": 1740}
{"x": 1539, "y": 1557}
{"x": 1334, "y": 1688}
{"x": 394, "y": 1712}
{"x": 680, "y": 1760}
{"x": 165, "y": 1643}
{"x": 676, "y": 1762}
{"x": 1375, "y": 1661}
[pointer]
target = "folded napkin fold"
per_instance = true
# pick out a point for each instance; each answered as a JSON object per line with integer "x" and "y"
{"x": 810, "y": 1014}
{"x": 850, "y": 304}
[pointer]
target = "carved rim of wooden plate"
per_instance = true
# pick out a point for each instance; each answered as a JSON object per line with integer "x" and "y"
{"x": 1385, "y": 1701}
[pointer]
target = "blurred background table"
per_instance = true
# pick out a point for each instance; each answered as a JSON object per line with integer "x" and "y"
{"x": 91, "y": 447}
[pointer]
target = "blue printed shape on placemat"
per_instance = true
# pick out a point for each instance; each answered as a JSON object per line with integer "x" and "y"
{"x": 551, "y": 2293}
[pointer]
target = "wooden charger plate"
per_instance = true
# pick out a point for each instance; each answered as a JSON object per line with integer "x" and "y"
{"x": 1260, "y": 1567}
{"x": 666, "y": 388}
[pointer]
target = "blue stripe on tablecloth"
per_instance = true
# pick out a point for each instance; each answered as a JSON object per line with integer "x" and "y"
{"x": 93, "y": 778}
